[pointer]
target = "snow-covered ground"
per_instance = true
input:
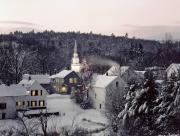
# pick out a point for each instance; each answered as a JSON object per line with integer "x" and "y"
{"x": 71, "y": 115}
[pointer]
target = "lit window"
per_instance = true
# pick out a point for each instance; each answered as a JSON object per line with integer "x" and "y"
{"x": 71, "y": 80}
{"x": 33, "y": 103}
{"x": 19, "y": 104}
{"x": 75, "y": 80}
{"x": 63, "y": 90}
{"x": 41, "y": 103}
{"x": 40, "y": 93}
{"x": 34, "y": 93}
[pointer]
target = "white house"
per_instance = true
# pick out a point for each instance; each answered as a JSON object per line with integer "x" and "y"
{"x": 12, "y": 98}
{"x": 43, "y": 80}
{"x": 173, "y": 70}
{"x": 125, "y": 72}
{"x": 100, "y": 85}
{"x": 37, "y": 98}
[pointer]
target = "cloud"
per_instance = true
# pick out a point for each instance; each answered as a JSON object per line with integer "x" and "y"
{"x": 18, "y": 23}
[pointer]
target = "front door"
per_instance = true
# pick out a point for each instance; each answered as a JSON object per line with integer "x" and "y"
{"x": 3, "y": 115}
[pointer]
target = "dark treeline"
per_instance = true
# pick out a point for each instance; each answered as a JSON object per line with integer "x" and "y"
{"x": 49, "y": 52}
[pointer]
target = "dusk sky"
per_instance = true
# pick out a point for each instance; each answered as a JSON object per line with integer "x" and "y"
{"x": 141, "y": 18}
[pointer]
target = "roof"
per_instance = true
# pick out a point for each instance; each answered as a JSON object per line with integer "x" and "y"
{"x": 62, "y": 74}
{"x": 114, "y": 71}
{"x": 49, "y": 88}
{"x": 103, "y": 81}
{"x": 176, "y": 65}
{"x": 13, "y": 90}
{"x": 140, "y": 73}
{"x": 123, "y": 69}
{"x": 26, "y": 82}
{"x": 41, "y": 79}
{"x": 117, "y": 70}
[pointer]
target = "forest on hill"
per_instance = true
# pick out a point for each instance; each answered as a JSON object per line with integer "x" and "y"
{"x": 48, "y": 52}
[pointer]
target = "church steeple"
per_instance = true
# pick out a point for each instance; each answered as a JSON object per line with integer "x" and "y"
{"x": 75, "y": 47}
{"x": 75, "y": 65}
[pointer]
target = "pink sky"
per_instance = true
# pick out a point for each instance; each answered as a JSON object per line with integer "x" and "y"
{"x": 140, "y": 18}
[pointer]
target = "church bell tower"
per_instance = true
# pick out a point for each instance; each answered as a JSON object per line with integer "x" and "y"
{"x": 75, "y": 64}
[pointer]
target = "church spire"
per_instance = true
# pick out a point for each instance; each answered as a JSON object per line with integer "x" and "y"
{"x": 75, "y": 64}
{"x": 75, "y": 47}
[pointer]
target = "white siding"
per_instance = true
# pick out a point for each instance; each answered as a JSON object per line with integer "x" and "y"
{"x": 10, "y": 111}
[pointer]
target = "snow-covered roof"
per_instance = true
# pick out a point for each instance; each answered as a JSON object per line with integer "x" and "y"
{"x": 176, "y": 65}
{"x": 103, "y": 81}
{"x": 62, "y": 74}
{"x": 26, "y": 82}
{"x": 159, "y": 81}
{"x": 41, "y": 79}
{"x": 140, "y": 73}
{"x": 13, "y": 90}
{"x": 113, "y": 71}
{"x": 117, "y": 70}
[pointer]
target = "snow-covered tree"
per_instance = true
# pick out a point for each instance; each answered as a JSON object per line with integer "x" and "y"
{"x": 17, "y": 59}
{"x": 137, "y": 117}
{"x": 168, "y": 109}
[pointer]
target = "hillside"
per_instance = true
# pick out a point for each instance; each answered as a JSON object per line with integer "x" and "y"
{"x": 50, "y": 51}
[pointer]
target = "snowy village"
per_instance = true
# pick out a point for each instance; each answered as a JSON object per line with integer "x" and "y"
{"x": 89, "y": 68}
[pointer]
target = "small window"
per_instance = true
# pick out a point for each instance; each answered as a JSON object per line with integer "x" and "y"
{"x": 40, "y": 93}
{"x": 71, "y": 80}
{"x": 117, "y": 84}
{"x": 33, "y": 103}
{"x": 34, "y": 93}
{"x": 95, "y": 95}
{"x": 2, "y": 105}
{"x": 100, "y": 106}
{"x": 18, "y": 104}
{"x": 41, "y": 103}
{"x": 61, "y": 80}
{"x": 75, "y": 80}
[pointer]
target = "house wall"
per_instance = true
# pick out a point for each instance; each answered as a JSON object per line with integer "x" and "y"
{"x": 38, "y": 98}
{"x": 98, "y": 95}
{"x": 10, "y": 111}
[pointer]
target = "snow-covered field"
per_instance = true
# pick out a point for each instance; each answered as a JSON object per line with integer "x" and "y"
{"x": 71, "y": 115}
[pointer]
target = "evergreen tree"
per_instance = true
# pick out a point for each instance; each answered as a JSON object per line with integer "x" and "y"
{"x": 137, "y": 118}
